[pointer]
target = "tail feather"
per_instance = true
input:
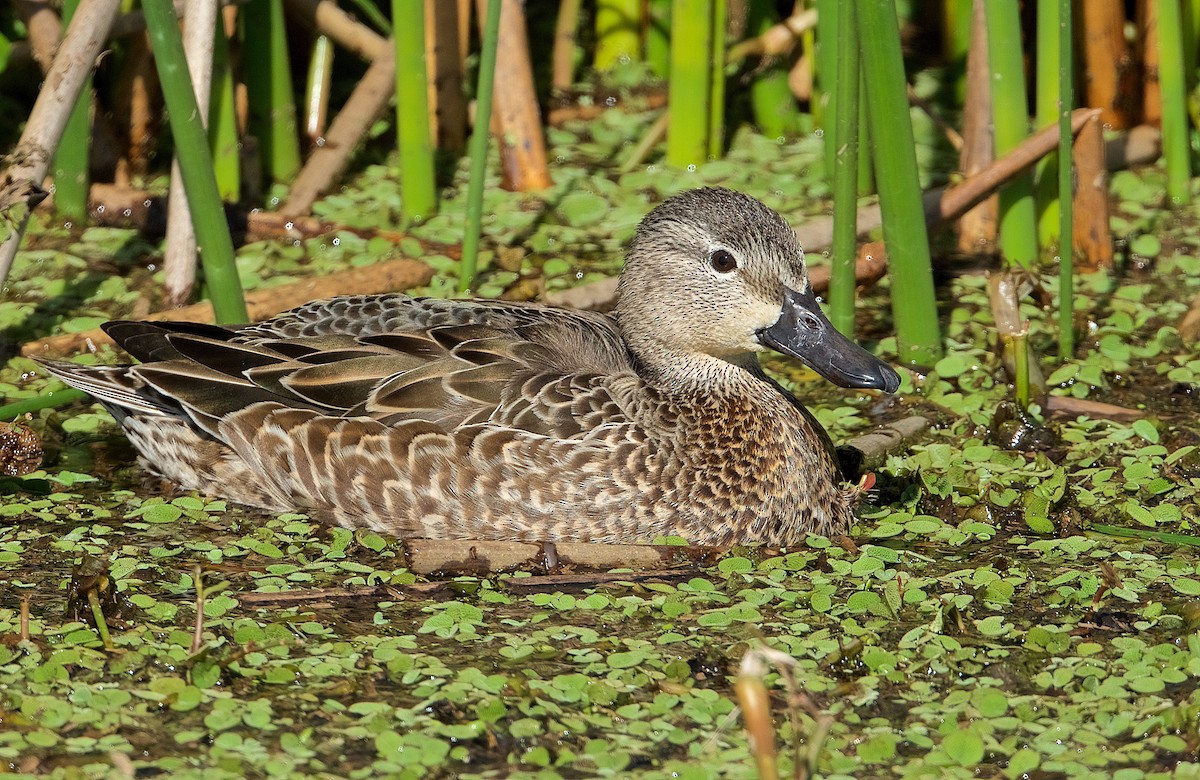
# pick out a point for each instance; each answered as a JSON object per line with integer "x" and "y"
{"x": 114, "y": 386}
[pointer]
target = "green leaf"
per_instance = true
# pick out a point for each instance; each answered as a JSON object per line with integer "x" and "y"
{"x": 1146, "y": 430}
{"x": 965, "y": 747}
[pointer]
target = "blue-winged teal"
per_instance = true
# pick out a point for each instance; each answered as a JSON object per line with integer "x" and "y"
{"x": 491, "y": 420}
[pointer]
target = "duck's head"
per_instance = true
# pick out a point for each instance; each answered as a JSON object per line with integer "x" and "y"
{"x": 715, "y": 272}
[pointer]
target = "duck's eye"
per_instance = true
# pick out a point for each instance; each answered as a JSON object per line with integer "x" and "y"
{"x": 723, "y": 261}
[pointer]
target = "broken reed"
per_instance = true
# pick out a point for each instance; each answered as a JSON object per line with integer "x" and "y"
{"x": 1010, "y": 119}
{"x": 71, "y": 159}
{"x": 195, "y": 164}
{"x": 1176, "y": 148}
{"x": 413, "y": 135}
{"x": 914, "y": 306}
{"x": 222, "y": 121}
{"x": 267, "y": 72}
{"x": 479, "y": 146}
{"x": 845, "y": 173}
{"x": 316, "y": 89}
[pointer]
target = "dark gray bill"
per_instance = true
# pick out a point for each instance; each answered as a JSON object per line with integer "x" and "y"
{"x": 804, "y": 332}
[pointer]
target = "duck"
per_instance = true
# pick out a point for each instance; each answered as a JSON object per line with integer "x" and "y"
{"x": 493, "y": 420}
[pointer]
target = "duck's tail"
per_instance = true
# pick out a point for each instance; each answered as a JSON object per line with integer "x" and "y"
{"x": 116, "y": 387}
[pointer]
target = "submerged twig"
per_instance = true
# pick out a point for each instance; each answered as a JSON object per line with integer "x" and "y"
{"x": 198, "y": 629}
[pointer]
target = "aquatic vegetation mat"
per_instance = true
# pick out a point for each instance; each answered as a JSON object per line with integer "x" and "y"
{"x": 977, "y": 624}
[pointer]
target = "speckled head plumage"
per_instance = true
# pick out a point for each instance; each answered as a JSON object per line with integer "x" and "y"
{"x": 483, "y": 419}
{"x": 673, "y": 294}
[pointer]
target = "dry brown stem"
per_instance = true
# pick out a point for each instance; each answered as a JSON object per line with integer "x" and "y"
{"x": 562, "y": 73}
{"x": 44, "y": 26}
{"x": 978, "y": 226}
{"x": 1110, "y": 75}
{"x": 447, "y": 101}
{"x": 1069, "y": 405}
{"x": 1092, "y": 231}
{"x": 516, "y": 120}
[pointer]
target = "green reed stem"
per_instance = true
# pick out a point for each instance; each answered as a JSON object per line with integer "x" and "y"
{"x": 269, "y": 88}
{"x": 689, "y": 90}
{"x": 618, "y": 28}
{"x": 71, "y": 158}
{"x": 658, "y": 37}
{"x": 1045, "y": 173}
{"x": 195, "y": 164}
{"x": 222, "y": 123}
{"x": 479, "y": 146}
{"x": 914, "y": 306}
{"x": 716, "y": 98}
{"x": 412, "y": 111}
{"x": 47, "y": 400}
{"x": 1176, "y": 148}
{"x": 1066, "y": 212}
{"x": 1018, "y": 217}
{"x": 845, "y": 175}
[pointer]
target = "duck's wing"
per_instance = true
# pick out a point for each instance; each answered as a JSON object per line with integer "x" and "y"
{"x": 390, "y": 358}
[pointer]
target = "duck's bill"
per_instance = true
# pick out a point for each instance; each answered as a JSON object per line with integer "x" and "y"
{"x": 803, "y": 331}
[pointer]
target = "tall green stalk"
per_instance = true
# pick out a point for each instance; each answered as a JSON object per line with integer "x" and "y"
{"x": 1171, "y": 81}
{"x": 1045, "y": 173}
{"x": 222, "y": 123}
{"x": 1018, "y": 218}
{"x": 195, "y": 164}
{"x": 914, "y": 306}
{"x": 618, "y": 28}
{"x": 269, "y": 88}
{"x": 690, "y": 85}
{"x": 419, "y": 187}
{"x": 845, "y": 175}
{"x": 71, "y": 159}
{"x": 479, "y": 145}
{"x": 716, "y": 97}
{"x": 1066, "y": 214}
